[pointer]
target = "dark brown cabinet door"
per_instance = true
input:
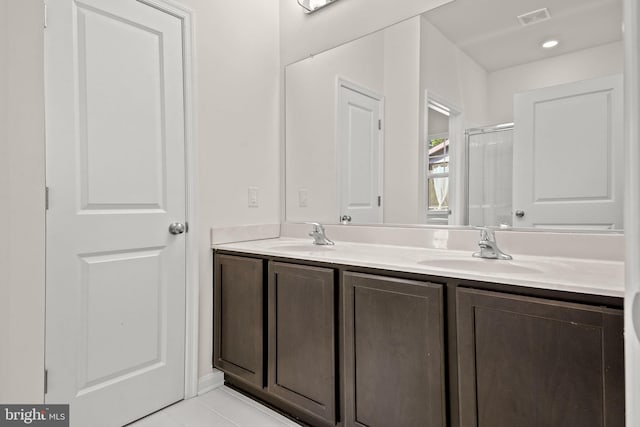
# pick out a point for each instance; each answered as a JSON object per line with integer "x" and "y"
{"x": 532, "y": 362}
{"x": 301, "y": 309}
{"x": 393, "y": 352}
{"x": 238, "y": 318}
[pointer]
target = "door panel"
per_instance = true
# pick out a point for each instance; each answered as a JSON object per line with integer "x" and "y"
{"x": 394, "y": 352}
{"x": 568, "y": 155}
{"x": 302, "y": 338}
{"x": 585, "y": 119}
{"x": 238, "y": 305}
{"x": 115, "y": 168}
{"x": 533, "y": 362}
{"x": 359, "y": 145}
{"x": 104, "y": 280}
{"x": 117, "y": 58}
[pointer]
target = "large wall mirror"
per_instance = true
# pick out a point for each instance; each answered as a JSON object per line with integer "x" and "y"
{"x": 460, "y": 116}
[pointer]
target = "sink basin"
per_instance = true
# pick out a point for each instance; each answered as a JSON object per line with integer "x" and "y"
{"x": 481, "y": 265}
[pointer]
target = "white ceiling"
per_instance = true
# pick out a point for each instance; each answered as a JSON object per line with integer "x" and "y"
{"x": 489, "y": 31}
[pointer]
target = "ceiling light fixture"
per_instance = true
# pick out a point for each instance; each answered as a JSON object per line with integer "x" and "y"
{"x": 310, "y": 6}
{"x": 505, "y": 125}
{"x": 549, "y": 44}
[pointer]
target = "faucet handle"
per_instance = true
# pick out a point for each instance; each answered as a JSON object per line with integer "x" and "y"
{"x": 488, "y": 245}
{"x": 318, "y": 234}
{"x": 487, "y": 234}
{"x": 316, "y": 226}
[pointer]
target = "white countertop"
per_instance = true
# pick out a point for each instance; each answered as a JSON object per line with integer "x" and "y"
{"x": 562, "y": 274}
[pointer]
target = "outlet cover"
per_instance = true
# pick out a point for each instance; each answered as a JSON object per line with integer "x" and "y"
{"x": 303, "y": 197}
{"x": 253, "y": 197}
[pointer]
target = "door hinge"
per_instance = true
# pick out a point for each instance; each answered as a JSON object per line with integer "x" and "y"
{"x": 46, "y": 198}
{"x": 45, "y": 16}
{"x": 379, "y": 124}
{"x": 379, "y": 201}
{"x": 46, "y": 381}
{"x": 186, "y": 227}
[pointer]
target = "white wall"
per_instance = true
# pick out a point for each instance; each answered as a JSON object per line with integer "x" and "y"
{"x": 453, "y": 76}
{"x": 585, "y": 64}
{"x": 237, "y": 71}
{"x": 302, "y": 35}
{"x": 4, "y": 193}
{"x": 21, "y": 202}
{"x": 402, "y": 122}
{"x": 311, "y": 122}
{"x": 438, "y": 123}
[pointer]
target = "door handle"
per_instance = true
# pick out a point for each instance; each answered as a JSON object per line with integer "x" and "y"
{"x": 345, "y": 219}
{"x": 519, "y": 213}
{"x": 177, "y": 228}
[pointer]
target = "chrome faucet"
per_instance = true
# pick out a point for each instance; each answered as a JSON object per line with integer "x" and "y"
{"x": 318, "y": 234}
{"x": 488, "y": 246}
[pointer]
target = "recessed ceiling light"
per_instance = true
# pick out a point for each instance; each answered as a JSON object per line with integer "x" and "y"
{"x": 549, "y": 44}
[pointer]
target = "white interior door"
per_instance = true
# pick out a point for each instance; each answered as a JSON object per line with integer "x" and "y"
{"x": 568, "y": 149}
{"x": 359, "y": 143}
{"x": 115, "y": 168}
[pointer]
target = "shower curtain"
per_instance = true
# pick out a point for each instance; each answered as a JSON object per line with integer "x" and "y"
{"x": 441, "y": 185}
{"x": 490, "y": 177}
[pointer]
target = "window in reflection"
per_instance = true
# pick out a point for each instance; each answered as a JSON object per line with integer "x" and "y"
{"x": 437, "y": 165}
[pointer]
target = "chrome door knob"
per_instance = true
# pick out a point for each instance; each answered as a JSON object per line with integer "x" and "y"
{"x": 519, "y": 213}
{"x": 345, "y": 219}
{"x": 177, "y": 228}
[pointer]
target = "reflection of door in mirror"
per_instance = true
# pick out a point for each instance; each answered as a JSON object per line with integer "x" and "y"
{"x": 568, "y": 156}
{"x": 359, "y": 142}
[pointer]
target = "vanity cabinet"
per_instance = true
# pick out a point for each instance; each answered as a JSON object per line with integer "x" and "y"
{"x": 302, "y": 337}
{"x": 394, "y": 371}
{"x": 238, "y": 324}
{"x": 275, "y": 333}
{"x": 531, "y": 362}
{"x": 341, "y": 345}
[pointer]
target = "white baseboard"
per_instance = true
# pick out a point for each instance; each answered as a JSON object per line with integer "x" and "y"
{"x": 210, "y": 382}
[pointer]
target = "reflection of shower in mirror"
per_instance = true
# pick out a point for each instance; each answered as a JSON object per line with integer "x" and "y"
{"x": 490, "y": 166}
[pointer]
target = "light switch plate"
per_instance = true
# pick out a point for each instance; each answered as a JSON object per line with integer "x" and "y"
{"x": 253, "y": 197}
{"x": 303, "y": 197}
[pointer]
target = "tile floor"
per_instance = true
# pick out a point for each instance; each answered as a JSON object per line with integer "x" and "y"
{"x": 222, "y": 407}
